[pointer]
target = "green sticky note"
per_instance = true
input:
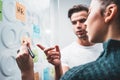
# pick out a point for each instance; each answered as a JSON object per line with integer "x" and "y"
{"x": 0, "y": 10}
{"x": 35, "y": 51}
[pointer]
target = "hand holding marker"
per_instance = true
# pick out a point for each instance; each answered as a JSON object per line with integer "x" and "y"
{"x": 27, "y": 40}
{"x": 30, "y": 52}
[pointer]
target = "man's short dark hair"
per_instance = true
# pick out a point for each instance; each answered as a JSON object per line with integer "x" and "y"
{"x": 77, "y": 8}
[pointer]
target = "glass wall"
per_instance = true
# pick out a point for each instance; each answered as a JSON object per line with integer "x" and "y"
{"x": 44, "y": 21}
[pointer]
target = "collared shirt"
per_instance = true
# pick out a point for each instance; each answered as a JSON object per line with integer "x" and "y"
{"x": 106, "y": 67}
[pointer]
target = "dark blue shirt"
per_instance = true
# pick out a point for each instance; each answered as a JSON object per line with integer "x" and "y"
{"x": 106, "y": 67}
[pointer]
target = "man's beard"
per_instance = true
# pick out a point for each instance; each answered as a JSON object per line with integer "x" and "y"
{"x": 82, "y": 36}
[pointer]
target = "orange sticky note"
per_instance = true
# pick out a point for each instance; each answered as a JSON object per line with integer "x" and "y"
{"x": 25, "y": 39}
{"x": 36, "y": 76}
{"x": 20, "y": 12}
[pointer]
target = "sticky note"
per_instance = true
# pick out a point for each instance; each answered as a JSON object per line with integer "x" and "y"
{"x": 36, "y": 31}
{"x": 0, "y": 10}
{"x": 36, "y": 76}
{"x": 20, "y": 11}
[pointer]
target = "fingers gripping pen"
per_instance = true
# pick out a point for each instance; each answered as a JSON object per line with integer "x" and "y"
{"x": 25, "y": 40}
{"x": 30, "y": 52}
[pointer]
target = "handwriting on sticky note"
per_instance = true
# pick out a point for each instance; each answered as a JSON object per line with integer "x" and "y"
{"x": 20, "y": 12}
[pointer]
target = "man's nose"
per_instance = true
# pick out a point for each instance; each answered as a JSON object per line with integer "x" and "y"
{"x": 79, "y": 25}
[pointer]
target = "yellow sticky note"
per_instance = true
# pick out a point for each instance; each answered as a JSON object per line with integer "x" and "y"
{"x": 20, "y": 12}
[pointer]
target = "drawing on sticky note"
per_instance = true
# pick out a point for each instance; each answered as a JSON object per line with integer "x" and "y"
{"x": 36, "y": 31}
{"x": 20, "y": 12}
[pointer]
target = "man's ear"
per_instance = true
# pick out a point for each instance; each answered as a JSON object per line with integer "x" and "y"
{"x": 110, "y": 12}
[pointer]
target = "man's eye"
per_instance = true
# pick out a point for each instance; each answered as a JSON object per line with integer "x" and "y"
{"x": 82, "y": 20}
{"x": 74, "y": 22}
